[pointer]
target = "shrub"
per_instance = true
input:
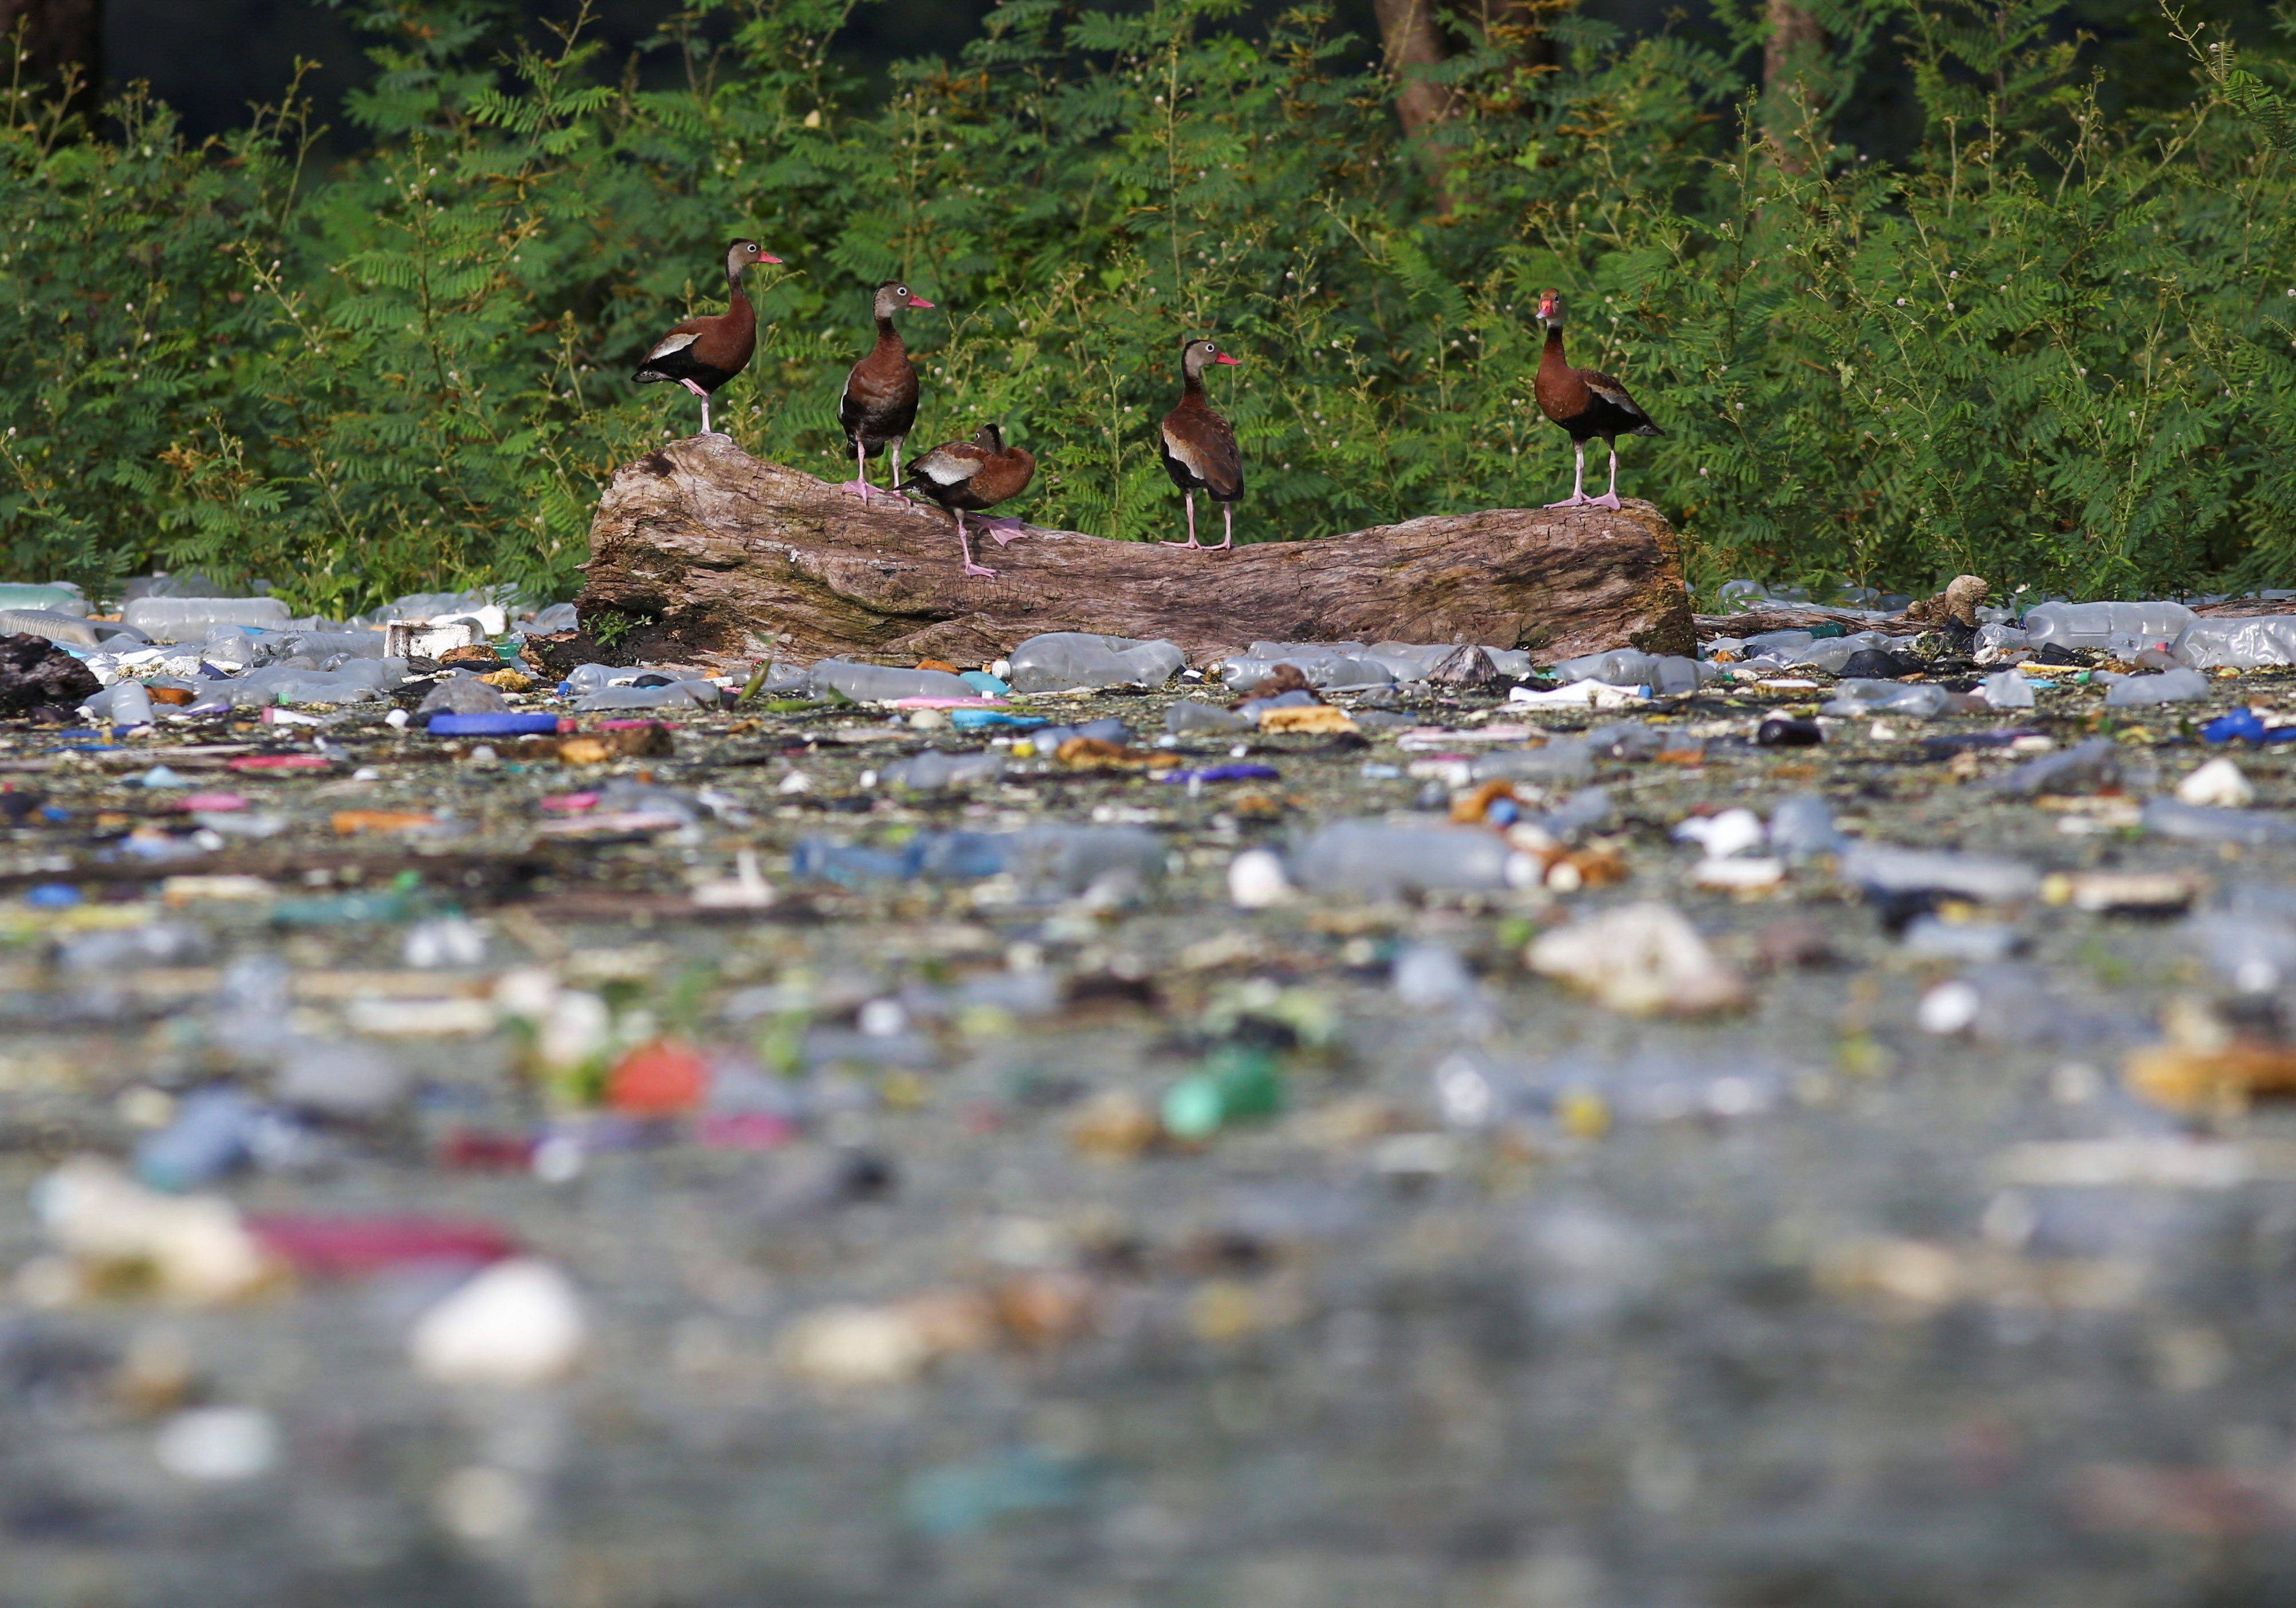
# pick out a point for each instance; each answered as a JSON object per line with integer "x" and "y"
{"x": 2051, "y": 346}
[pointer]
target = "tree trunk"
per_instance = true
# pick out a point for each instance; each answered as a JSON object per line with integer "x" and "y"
{"x": 1412, "y": 41}
{"x": 719, "y": 557}
{"x": 1793, "y": 59}
{"x": 58, "y": 35}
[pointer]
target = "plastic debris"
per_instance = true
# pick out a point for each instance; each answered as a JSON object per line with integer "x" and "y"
{"x": 1642, "y": 959}
{"x": 1060, "y": 659}
{"x": 519, "y": 1323}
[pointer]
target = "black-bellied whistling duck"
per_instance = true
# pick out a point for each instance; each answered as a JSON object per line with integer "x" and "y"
{"x": 702, "y": 354}
{"x": 1587, "y": 404}
{"x": 880, "y": 403}
{"x": 1199, "y": 450}
{"x": 965, "y": 477}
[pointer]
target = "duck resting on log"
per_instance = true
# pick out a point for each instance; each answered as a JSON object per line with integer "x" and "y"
{"x": 966, "y": 477}
{"x": 702, "y": 354}
{"x": 1199, "y": 446}
{"x": 879, "y": 402}
{"x": 1588, "y": 404}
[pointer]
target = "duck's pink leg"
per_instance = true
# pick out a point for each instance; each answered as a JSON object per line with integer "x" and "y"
{"x": 965, "y": 548}
{"x": 1609, "y": 499}
{"x": 1006, "y": 531}
{"x": 1227, "y": 515}
{"x": 859, "y": 486}
{"x": 1190, "y": 498}
{"x": 1578, "y": 497}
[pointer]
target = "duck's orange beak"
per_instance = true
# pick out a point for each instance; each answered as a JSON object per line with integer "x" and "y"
{"x": 1224, "y": 357}
{"x": 769, "y": 257}
{"x": 919, "y": 302}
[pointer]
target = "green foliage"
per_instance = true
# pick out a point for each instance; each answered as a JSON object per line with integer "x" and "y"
{"x": 2052, "y": 348}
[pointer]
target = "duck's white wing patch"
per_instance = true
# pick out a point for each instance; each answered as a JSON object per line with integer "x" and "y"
{"x": 1186, "y": 454}
{"x": 672, "y": 343}
{"x": 946, "y": 469}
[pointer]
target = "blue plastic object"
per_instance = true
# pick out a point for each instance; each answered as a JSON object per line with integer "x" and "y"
{"x": 208, "y": 1139}
{"x": 2243, "y": 725}
{"x": 1225, "y": 773}
{"x": 983, "y": 683}
{"x": 492, "y": 726}
{"x": 969, "y": 720}
{"x": 52, "y": 896}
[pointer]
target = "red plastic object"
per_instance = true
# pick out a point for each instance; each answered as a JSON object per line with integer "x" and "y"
{"x": 211, "y": 801}
{"x": 282, "y": 762}
{"x": 568, "y": 803}
{"x": 477, "y": 1151}
{"x": 657, "y": 1080}
{"x": 349, "y": 1247}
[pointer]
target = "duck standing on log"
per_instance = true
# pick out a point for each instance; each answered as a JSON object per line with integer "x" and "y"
{"x": 965, "y": 477}
{"x": 1199, "y": 449}
{"x": 880, "y": 403}
{"x": 702, "y": 354}
{"x": 1587, "y": 404}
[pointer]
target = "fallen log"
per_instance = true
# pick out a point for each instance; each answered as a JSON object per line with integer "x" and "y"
{"x": 707, "y": 554}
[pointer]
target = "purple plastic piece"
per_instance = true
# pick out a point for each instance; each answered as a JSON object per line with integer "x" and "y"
{"x": 492, "y": 726}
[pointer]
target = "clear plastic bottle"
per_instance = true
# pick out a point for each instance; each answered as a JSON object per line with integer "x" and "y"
{"x": 1801, "y": 828}
{"x": 1891, "y": 870}
{"x": 48, "y": 599}
{"x": 43, "y": 622}
{"x": 2093, "y": 762}
{"x": 881, "y": 684}
{"x": 2170, "y": 686}
{"x": 1193, "y": 717}
{"x": 190, "y": 618}
{"x": 1888, "y": 698}
{"x": 2007, "y": 690}
{"x": 2211, "y": 824}
{"x": 2243, "y": 644}
{"x": 1380, "y": 862}
{"x": 932, "y": 770}
{"x": 1059, "y": 660}
{"x": 2094, "y": 624}
{"x": 686, "y": 694}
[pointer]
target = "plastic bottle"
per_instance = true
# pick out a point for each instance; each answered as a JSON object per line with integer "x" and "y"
{"x": 2208, "y": 824}
{"x": 1885, "y": 869}
{"x": 461, "y": 695}
{"x": 1380, "y": 862}
{"x": 56, "y": 627}
{"x": 2007, "y": 690}
{"x": 131, "y": 704}
{"x": 1831, "y": 654}
{"x": 1193, "y": 717}
{"x": 1048, "y": 738}
{"x": 1995, "y": 643}
{"x": 705, "y": 694}
{"x": 1059, "y": 660}
{"x": 1059, "y": 858}
{"x": 2245, "y": 645}
{"x": 932, "y": 770}
{"x": 2069, "y": 625}
{"x": 879, "y": 684}
{"x": 190, "y": 618}
{"x": 1567, "y": 760}
{"x": 1888, "y": 698}
{"x": 2170, "y": 686}
{"x": 1801, "y": 828}
{"x": 557, "y": 617}
{"x": 48, "y": 599}
{"x": 209, "y": 1137}
{"x": 2093, "y": 762}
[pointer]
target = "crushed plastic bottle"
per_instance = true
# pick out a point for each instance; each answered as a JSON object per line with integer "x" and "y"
{"x": 558, "y": 617}
{"x": 1888, "y": 698}
{"x": 211, "y": 1134}
{"x": 1997, "y": 643}
{"x": 1058, "y": 661}
{"x": 2243, "y": 644}
{"x": 879, "y": 684}
{"x": 1381, "y": 862}
{"x": 2007, "y": 690}
{"x": 2170, "y": 686}
{"x": 461, "y": 695}
{"x": 126, "y": 702}
{"x": 190, "y": 618}
{"x": 1567, "y": 760}
{"x": 2095, "y": 625}
{"x": 66, "y": 630}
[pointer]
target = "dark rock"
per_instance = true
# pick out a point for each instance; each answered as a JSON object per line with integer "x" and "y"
{"x": 1469, "y": 666}
{"x": 1782, "y": 731}
{"x": 36, "y": 673}
{"x": 2053, "y": 654}
{"x": 1879, "y": 664}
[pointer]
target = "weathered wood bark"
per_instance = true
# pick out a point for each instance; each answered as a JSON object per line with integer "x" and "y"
{"x": 1412, "y": 41}
{"x": 721, "y": 557}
